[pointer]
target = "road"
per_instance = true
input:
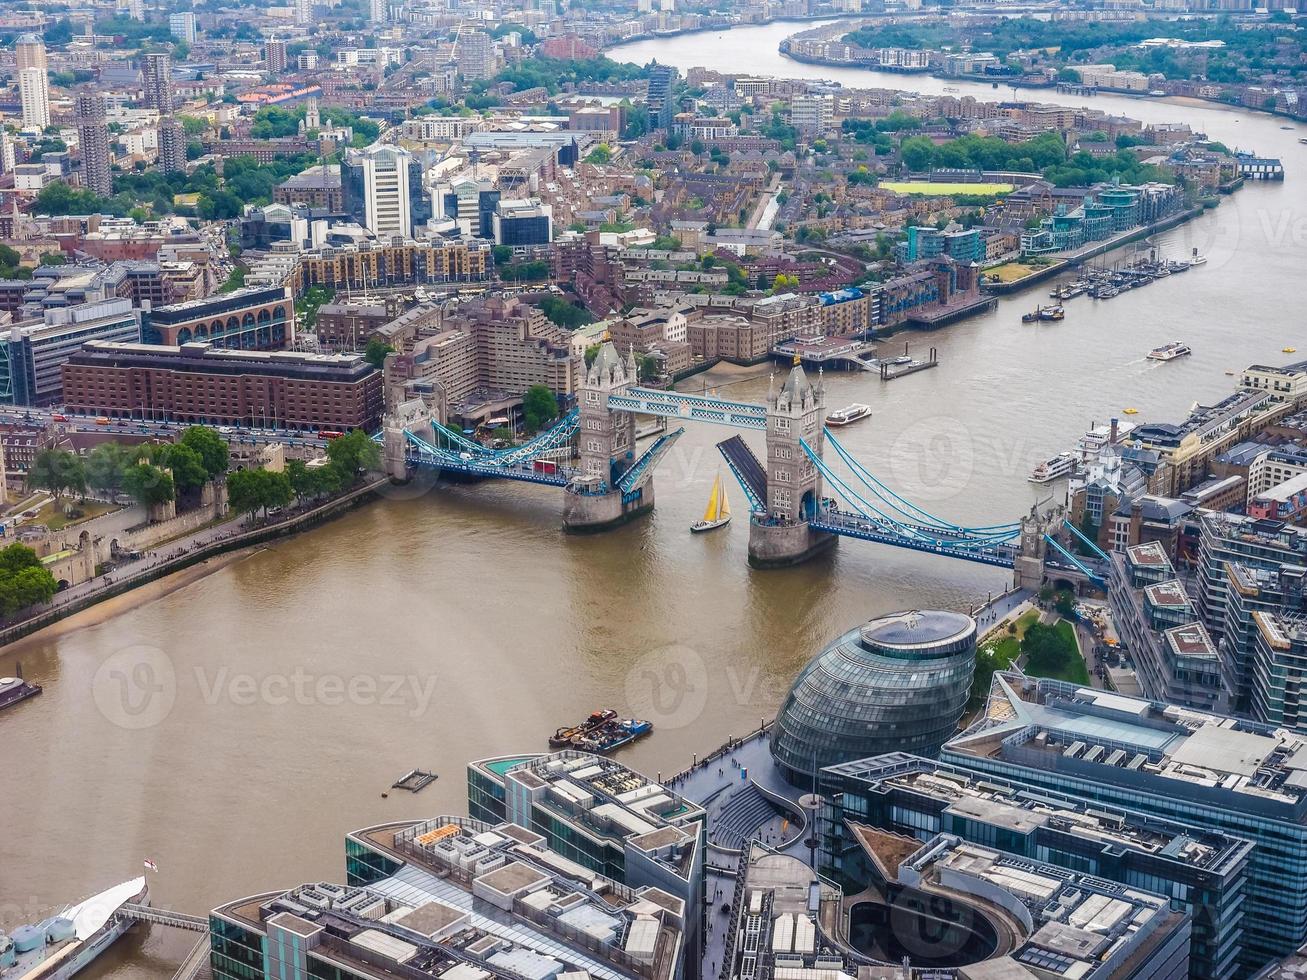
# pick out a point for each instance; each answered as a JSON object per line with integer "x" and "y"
{"x": 159, "y": 428}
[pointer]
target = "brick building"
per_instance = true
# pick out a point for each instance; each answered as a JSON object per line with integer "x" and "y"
{"x": 198, "y": 383}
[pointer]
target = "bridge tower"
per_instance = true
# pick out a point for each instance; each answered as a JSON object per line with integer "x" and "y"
{"x": 606, "y": 445}
{"x": 1028, "y": 568}
{"x": 794, "y": 486}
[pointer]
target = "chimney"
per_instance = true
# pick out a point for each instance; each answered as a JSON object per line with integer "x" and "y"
{"x": 1112, "y": 437}
{"x": 1136, "y": 522}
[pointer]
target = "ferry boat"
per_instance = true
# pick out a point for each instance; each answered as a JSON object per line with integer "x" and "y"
{"x": 1063, "y": 464}
{"x": 567, "y": 736}
{"x": 718, "y": 511}
{"x": 612, "y": 735}
{"x": 848, "y": 414}
{"x": 58, "y": 947}
{"x": 1169, "y": 352}
{"x": 15, "y": 689}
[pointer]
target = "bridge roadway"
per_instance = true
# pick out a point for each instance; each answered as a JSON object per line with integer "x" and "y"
{"x": 854, "y": 525}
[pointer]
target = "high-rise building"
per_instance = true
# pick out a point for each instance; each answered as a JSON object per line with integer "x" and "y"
{"x": 379, "y": 11}
{"x": 135, "y": 9}
{"x": 182, "y": 26}
{"x": 156, "y": 81}
{"x": 382, "y": 188}
{"x": 476, "y": 55}
{"x": 7, "y": 158}
{"x": 1220, "y": 773}
{"x": 29, "y": 52}
{"x": 303, "y": 12}
{"x": 172, "y": 145}
{"x": 811, "y": 114}
{"x": 34, "y": 94}
{"x": 93, "y": 143}
{"x": 659, "y": 96}
{"x": 274, "y": 54}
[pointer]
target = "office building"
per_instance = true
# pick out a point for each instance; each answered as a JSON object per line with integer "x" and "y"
{"x": 1279, "y": 664}
{"x": 35, "y": 351}
{"x": 93, "y": 143}
{"x": 1285, "y": 383}
{"x": 274, "y": 55}
{"x": 899, "y": 682}
{"x": 8, "y": 159}
{"x": 257, "y": 318}
{"x": 1157, "y": 623}
{"x": 470, "y": 203}
{"x": 198, "y": 383}
{"x": 523, "y": 223}
{"x": 1202, "y": 870}
{"x": 34, "y": 96}
{"x": 605, "y": 817}
{"x": 156, "y": 82}
{"x": 182, "y": 26}
{"x": 451, "y": 899}
{"x": 382, "y": 188}
{"x": 945, "y": 910}
{"x": 172, "y": 145}
{"x": 1241, "y": 777}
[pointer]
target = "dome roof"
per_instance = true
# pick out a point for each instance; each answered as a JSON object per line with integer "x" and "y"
{"x": 899, "y": 683}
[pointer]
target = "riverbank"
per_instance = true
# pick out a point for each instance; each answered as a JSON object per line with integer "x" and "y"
{"x": 226, "y": 542}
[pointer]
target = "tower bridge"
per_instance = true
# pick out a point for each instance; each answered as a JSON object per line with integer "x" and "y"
{"x": 799, "y": 504}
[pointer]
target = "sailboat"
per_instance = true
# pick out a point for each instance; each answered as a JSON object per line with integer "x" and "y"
{"x": 718, "y": 511}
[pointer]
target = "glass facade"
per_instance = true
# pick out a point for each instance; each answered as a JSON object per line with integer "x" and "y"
{"x": 899, "y": 683}
{"x": 235, "y": 953}
{"x": 364, "y": 865}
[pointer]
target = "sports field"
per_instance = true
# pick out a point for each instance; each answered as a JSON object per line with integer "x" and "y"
{"x": 940, "y": 189}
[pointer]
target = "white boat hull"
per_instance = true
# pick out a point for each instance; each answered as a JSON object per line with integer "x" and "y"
{"x": 701, "y": 526}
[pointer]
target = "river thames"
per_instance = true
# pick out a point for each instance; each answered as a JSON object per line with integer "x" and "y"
{"x": 235, "y": 729}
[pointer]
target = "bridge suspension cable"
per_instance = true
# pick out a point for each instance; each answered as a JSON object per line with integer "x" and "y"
{"x": 956, "y": 538}
{"x": 903, "y": 506}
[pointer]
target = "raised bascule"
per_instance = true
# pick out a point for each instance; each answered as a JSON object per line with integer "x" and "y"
{"x": 799, "y": 504}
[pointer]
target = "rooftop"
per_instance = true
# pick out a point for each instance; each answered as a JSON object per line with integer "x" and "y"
{"x": 469, "y": 895}
{"x": 1227, "y": 762}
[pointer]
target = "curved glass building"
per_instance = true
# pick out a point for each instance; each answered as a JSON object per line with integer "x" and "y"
{"x": 897, "y": 684}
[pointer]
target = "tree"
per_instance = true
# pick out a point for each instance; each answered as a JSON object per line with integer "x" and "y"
{"x": 56, "y": 470}
{"x": 186, "y": 464}
{"x": 376, "y": 351}
{"x": 539, "y": 407}
{"x": 149, "y": 484}
{"x": 212, "y": 450}
{"x": 243, "y": 491}
{"x": 354, "y": 453}
{"x": 1065, "y": 604}
{"x": 106, "y": 463}
{"x": 24, "y": 581}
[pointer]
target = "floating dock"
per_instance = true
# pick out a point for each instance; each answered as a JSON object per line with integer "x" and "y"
{"x": 415, "y": 780}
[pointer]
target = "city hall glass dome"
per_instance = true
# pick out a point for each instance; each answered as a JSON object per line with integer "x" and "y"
{"x": 897, "y": 684}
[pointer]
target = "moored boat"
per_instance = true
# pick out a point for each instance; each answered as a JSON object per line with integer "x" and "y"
{"x": 15, "y": 689}
{"x": 568, "y": 735}
{"x": 58, "y": 947}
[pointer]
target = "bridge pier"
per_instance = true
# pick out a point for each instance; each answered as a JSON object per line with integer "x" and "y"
{"x": 783, "y": 545}
{"x": 585, "y": 512}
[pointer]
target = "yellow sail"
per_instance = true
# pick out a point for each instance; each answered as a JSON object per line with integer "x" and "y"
{"x": 726, "y": 504}
{"x": 714, "y": 501}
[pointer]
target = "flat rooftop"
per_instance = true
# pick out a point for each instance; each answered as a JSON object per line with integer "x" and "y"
{"x": 1228, "y": 762}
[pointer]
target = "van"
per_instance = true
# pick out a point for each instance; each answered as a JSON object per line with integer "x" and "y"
{"x": 102, "y": 420}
